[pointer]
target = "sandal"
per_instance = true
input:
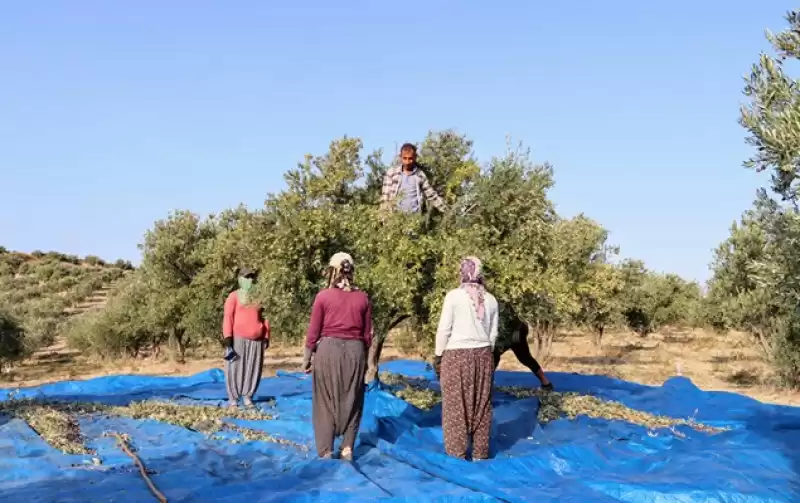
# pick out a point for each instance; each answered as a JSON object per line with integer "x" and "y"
{"x": 547, "y": 387}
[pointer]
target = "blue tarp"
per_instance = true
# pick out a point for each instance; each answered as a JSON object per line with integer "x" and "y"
{"x": 400, "y": 455}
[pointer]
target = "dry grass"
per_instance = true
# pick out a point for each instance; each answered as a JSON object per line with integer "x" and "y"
{"x": 59, "y": 363}
{"x": 731, "y": 362}
{"x": 713, "y": 362}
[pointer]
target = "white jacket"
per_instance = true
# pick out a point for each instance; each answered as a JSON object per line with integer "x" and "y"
{"x": 459, "y": 326}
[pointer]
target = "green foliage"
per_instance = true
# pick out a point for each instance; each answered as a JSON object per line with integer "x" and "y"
{"x": 555, "y": 271}
{"x": 772, "y": 118}
{"x": 650, "y": 301}
{"x": 92, "y": 260}
{"x": 121, "y": 329}
{"x": 37, "y": 289}
{"x": 12, "y": 345}
{"x": 755, "y": 285}
{"x": 755, "y": 288}
{"x": 600, "y": 297}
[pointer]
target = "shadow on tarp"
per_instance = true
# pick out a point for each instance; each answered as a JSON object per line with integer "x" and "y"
{"x": 598, "y": 460}
{"x": 401, "y": 456}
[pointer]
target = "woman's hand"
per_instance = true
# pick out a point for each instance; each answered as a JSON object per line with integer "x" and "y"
{"x": 306, "y": 366}
{"x": 230, "y": 355}
{"x": 437, "y": 367}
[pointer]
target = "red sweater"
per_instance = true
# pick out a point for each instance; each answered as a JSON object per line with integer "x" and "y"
{"x": 340, "y": 314}
{"x": 246, "y": 322}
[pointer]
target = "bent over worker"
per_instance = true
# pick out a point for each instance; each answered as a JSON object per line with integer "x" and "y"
{"x": 339, "y": 335}
{"x": 406, "y": 187}
{"x": 513, "y": 335}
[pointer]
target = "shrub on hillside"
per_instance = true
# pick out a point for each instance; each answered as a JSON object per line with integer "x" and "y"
{"x": 67, "y": 282}
{"x": 12, "y": 262}
{"x": 93, "y": 260}
{"x": 36, "y": 291}
{"x": 125, "y": 265}
{"x": 40, "y": 331}
{"x": 12, "y": 340}
{"x": 45, "y": 272}
{"x": 121, "y": 329}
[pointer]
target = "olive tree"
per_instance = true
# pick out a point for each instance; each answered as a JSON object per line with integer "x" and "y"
{"x": 755, "y": 286}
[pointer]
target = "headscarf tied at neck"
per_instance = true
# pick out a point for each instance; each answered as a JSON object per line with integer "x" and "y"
{"x": 341, "y": 272}
{"x": 472, "y": 283}
{"x": 245, "y": 284}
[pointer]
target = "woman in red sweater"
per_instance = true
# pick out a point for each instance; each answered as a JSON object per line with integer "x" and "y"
{"x": 245, "y": 333}
{"x": 339, "y": 336}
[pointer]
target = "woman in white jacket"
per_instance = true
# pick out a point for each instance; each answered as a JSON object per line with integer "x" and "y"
{"x": 464, "y": 360}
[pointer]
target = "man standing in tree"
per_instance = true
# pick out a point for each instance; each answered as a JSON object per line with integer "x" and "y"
{"x": 406, "y": 187}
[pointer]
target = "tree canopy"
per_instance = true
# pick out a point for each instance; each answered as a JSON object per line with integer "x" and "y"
{"x": 557, "y": 272}
{"x": 755, "y": 285}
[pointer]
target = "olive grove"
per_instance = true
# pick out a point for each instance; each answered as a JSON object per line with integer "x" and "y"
{"x": 557, "y": 272}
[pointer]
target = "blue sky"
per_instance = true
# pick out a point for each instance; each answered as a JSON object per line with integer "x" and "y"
{"x": 114, "y": 113}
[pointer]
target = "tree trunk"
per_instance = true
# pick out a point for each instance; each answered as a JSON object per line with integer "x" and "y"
{"x": 598, "y": 335}
{"x": 373, "y": 358}
{"x": 374, "y": 355}
{"x": 543, "y": 335}
{"x": 766, "y": 344}
{"x": 180, "y": 344}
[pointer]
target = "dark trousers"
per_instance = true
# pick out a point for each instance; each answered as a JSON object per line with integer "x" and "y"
{"x": 337, "y": 400}
{"x": 523, "y": 354}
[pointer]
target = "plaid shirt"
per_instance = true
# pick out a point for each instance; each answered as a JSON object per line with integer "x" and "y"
{"x": 391, "y": 186}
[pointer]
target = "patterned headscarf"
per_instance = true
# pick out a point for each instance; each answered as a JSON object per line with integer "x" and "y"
{"x": 341, "y": 272}
{"x": 472, "y": 283}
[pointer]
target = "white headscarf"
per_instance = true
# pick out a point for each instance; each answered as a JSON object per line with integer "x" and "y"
{"x": 338, "y": 278}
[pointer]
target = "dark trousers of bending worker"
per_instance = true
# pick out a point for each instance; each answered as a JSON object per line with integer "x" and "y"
{"x": 519, "y": 346}
{"x": 523, "y": 354}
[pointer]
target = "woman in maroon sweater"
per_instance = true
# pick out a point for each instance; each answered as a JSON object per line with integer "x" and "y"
{"x": 339, "y": 336}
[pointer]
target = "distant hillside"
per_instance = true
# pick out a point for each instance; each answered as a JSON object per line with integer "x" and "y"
{"x": 39, "y": 291}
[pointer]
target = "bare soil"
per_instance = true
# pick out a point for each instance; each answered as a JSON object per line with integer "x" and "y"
{"x": 729, "y": 362}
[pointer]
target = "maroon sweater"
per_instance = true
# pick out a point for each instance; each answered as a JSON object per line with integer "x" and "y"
{"x": 342, "y": 315}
